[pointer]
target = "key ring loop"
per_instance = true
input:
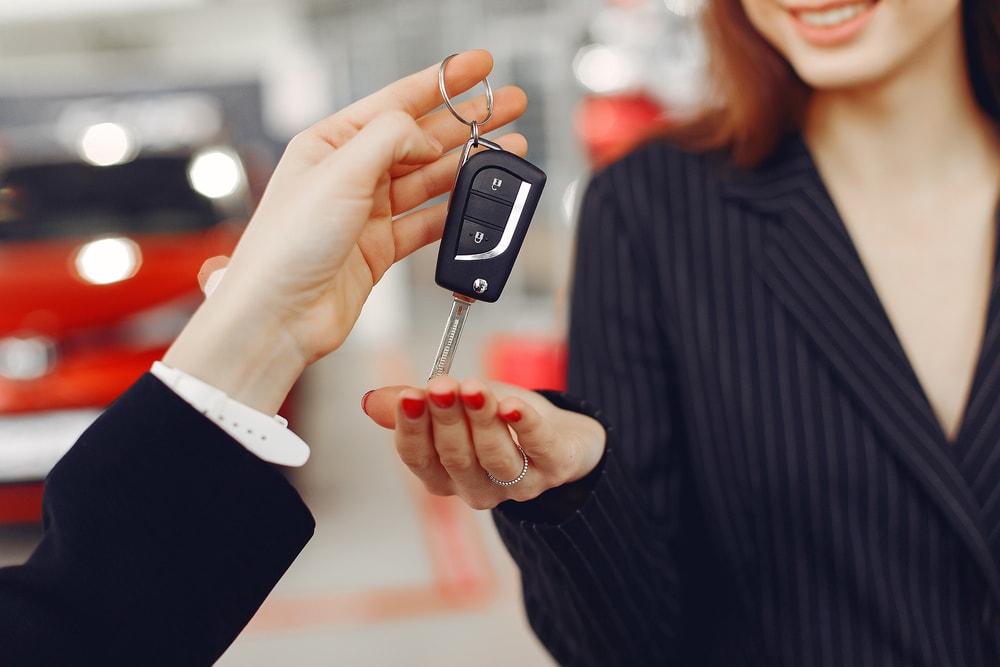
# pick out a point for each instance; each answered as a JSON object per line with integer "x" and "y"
{"x": 454, "y": 112}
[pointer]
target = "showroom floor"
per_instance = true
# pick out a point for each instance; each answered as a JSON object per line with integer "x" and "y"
{"x": 393, "y": 575}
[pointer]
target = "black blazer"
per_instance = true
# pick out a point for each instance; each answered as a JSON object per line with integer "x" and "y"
{"x": 162, "y": 538}
{"x": 777, "y": 490}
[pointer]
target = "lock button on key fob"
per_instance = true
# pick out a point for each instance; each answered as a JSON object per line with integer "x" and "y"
{"x": 494, "y": 198}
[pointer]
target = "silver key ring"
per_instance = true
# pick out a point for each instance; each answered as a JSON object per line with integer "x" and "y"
{"x": 454, "y": 112}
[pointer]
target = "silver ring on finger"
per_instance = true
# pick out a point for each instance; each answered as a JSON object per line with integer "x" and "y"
{"x": 512, "y": 482}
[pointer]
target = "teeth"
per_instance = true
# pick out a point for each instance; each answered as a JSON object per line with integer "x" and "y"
{"x": 831, "y": 17}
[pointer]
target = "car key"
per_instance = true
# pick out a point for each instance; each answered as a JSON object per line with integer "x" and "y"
{"x": 494, "y": 198}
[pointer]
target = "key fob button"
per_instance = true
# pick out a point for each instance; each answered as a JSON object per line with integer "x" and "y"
{"x": 497, "y": 183}
{"x": 477, "y": 238}
{"x": 488, "y": 210}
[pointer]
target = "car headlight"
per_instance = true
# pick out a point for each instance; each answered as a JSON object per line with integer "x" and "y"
{"x": 25, "y": 358}
{"x": 108, "y": 260}
{"x": 216, "y": 173}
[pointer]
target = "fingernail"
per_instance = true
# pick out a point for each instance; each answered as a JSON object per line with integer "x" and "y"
{"x": 413, "y": 407}
{"x": 364, "y": 400}
{"x": 473, "y": 401}
{"x": 513, "y": 416}
{"x": 443, "y": 400}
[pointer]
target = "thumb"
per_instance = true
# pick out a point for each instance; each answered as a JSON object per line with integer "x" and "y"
{"x": 380, "y": 405}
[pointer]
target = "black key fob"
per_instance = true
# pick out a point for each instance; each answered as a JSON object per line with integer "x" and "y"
{"x": 495, "y": 196}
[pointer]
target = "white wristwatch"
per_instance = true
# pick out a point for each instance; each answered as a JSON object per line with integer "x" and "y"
{"x": 267, "y": 437}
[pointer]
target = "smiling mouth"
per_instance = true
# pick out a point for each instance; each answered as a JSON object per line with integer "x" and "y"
{"x": 832, "y": 17}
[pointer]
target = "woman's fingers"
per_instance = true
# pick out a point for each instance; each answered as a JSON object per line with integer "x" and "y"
{"x": 494, "y": 447}
{"x": 381, "y": 405}
{"x": 452, "y": 438}
{"x": 455, "y": 435}
{"x": 566, "y": 445}
{"x": 509, "y": 104}
{"x": 452, "y": 134}
{"x": 390, "y": 138}
{"x": 415, "y": 442}
{"x": 416, "y": 186}
{"x": 417, "y": 94}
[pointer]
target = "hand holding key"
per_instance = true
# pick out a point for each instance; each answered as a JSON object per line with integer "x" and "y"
{"x": 454, "y": 435}
{"x": 339, "y": 210}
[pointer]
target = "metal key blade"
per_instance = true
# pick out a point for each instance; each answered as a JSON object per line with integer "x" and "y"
{"x": 452, "y": 332}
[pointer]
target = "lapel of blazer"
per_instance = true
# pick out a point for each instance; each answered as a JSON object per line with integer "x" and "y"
{"x": 812, "y": 266}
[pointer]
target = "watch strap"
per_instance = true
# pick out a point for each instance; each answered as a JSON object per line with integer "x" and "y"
{"x": 265, "y": 436}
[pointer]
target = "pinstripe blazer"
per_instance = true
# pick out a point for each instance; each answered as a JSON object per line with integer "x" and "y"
{"x": 777, "y": 490}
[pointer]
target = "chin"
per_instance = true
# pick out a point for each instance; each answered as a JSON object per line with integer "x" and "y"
{"x": 842, "y": 74}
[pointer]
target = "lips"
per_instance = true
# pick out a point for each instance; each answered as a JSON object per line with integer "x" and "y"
{"x": 831, "y": 16}
{"x": 832, "y": 24}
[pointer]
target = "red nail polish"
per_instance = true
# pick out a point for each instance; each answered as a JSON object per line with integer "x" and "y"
{"x": 473, "y": 401}
{"x": 413, "y": 407}
{"x": 513, "y": 416}
{"x": 443, "y": 400}
{"x": 364, "y": 400}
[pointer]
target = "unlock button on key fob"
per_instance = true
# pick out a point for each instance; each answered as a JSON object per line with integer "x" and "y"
{"x": 477, "y": 238}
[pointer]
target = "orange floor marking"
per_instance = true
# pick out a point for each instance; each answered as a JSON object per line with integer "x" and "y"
{"x": 463, "y": 580}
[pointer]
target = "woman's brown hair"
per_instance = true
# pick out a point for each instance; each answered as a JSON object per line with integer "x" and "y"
{"x": 758, "y": 98}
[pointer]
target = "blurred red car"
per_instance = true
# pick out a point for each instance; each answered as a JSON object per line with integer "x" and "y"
{"x": 98, "y": 269}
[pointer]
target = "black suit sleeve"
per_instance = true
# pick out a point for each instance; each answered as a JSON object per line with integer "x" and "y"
{"x": 602, "y": 586}
{"x": 162, "y": 537}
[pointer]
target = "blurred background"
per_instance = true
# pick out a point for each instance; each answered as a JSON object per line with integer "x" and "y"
{"x": 135, "y": 139}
